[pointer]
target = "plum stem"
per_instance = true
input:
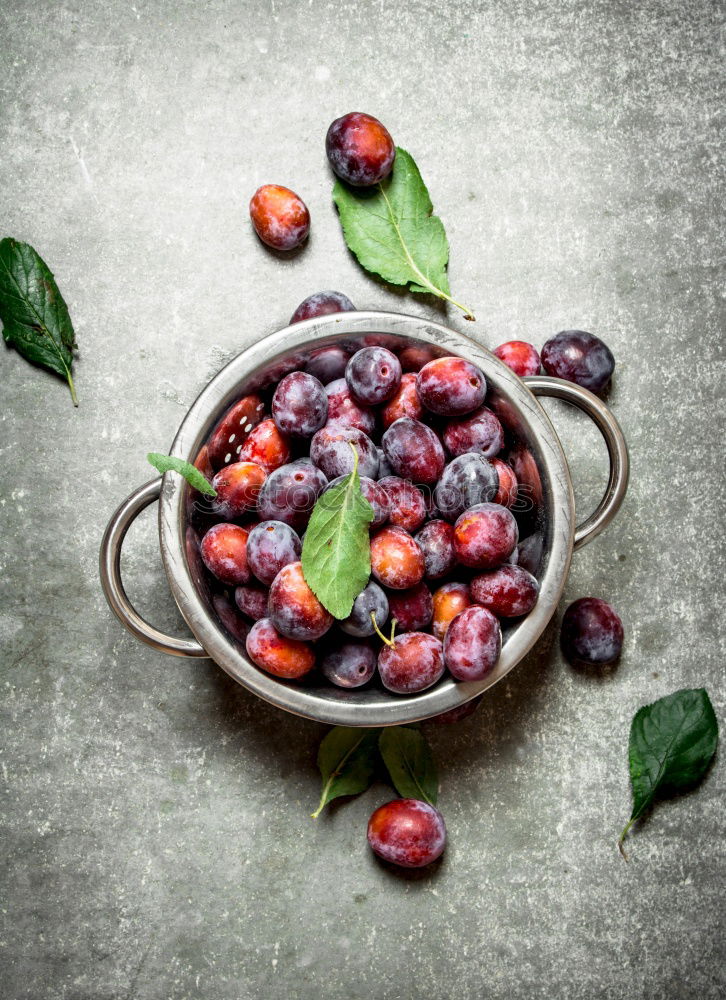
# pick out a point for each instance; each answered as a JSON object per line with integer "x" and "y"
{"x": 388, "y": 642}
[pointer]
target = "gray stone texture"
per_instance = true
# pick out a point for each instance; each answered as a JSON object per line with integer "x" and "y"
{"x": 156, "y": 836}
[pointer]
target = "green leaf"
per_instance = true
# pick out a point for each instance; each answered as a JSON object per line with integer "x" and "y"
{"x": 392, "y": 232}
{"x": 336, "y": 553}
{"x": 167, "y": 463}
{"x": 407, "y": 755}
{"x": 672, "y": 743}
{"x": 34, "y": 315}
{"x": 347, "y": 762}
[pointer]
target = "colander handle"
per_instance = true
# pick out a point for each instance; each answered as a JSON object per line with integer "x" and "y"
{"x": 545, "y": 385}
{"x": 113, "y": 588}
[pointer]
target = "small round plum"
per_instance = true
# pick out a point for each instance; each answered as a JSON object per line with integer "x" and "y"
{"x": 372, "y": 600}
{"x": 407, "y": 833}
{"x": 508, "y": 591}
{"x": 472, "y": 644}
{"x": 579, "y": 357}
{"x": 343, "y": 409}
{"x": 252, "y": 601}
{"x": 520, "y": 356}
{"x": 267, "y": 446}
{"x": 272, "y": 545}
{"x": 238, "y": 488}
{"x": 466, "y": 481}
{"x": 436, "y": 541}
{"x": 224, "y": 553}
{"x": 227, "y": 438}
{"x": 481, "y": 432}
{"x": 412, "y": 608}
{"x": 405, "y": 503}
{"x": 322, "y": 304}
{"x": 328, "y": 364}
{"x": 373, "y": 375}
{"x": 278, "y": 655}
{"x": 330, "y": 450}
{"x": 290, "y": 492}
{"x": 414, "y": 662}
{"x": 414, "y": 358}
{"x": 414, "y": 451}
{"x": 360, "y": 149}
{"x": 349, "y": 665}
{"x": 448, "y": 601}
{"x": 280, "y": 217}
{"x": 592, "y": 633}
{"x": 451, "y": 387}
{"x": 396, "y": 560}
{"x": 294, "y": 609}
{"x": 508, "y": 486}
{"x": 485, "y": 536}
{"x": 404, "y": 402}
{"x": 299, "y": 405}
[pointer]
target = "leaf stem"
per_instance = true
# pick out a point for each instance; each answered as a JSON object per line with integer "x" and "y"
{"x": 72, "y": 387}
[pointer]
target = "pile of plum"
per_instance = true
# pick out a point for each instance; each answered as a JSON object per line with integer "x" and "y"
{"x": 443, "y": 539}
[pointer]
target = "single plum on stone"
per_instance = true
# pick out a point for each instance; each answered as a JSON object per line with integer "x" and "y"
{"x": 407, "y": 833}
{"x": 299, "y": 405}
{"x": 343, "y": 409}
{"x": 485, "y": 536}
{"x": 591, "y": 634}
{"x": 290, "y": 492}
{"x": 413, "y": 663}
{"x": 360, "y": 149}
{"x": 349, "y": 664}
{"x": 436, "y": 541}
{"x": 508, "y": 591}
{"x": 280, "y": 217}
{"x": 521, "y": 357}
{"x": 278, "y": 655}
{"x": 396, "y": 560}
{"x": 481, "y": 432}
{"x": 322, "y": 304}
{"x": 451, "y": 387}
{"x": 294, "y": 609}
{"x": 472, "y": 644}
{"x": 238, "y": 488}
{"x": 414, "y": 451}
{"x": 330, "y": 451}
{"x": 579, "y": 357}
{"x": 466, "y": 481}
{"x": 224, "y": 552}
{"x": 272, "y": 545}
{"x": 371, "y": 601}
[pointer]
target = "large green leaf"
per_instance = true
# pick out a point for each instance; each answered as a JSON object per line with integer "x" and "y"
{"x": 34, "y": 315}
{"x": 407, "y": 755}
{"x": 347, "y": 762}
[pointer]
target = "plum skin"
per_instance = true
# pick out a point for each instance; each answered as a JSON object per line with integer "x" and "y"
{"x": 508, "y": 591}
{"x": 224, "y": 552}
{"x": 414, "y": 451}
{"x": 407, "y": 833}
{"x": 238, "y": 488}
{"x": 414, "y": 663}
{"x": 349, "y": 665}
{"x": 371, "y": 600}
{"x": 485, "y": 536}
{"x": 280, "y": 217}
{"x": 522, "y": 358}
{"x": 373, "y": 375}
{"x": 299, "y": 405}
{"x": 579, "y": 357}
{"x": 448, "y": 601}
{"x": 396, "y": 559}
{"x": 472, "y": 644}
{"x": 436, "y": 540}
{"x": 360, "y": 149}
{"x": 451, "y": 386}
{"x": 591, "y": 633}
{"x": 272, "y": 545}
{"x": 412, "y": 608}
{"x": 322, "y": 304}
{"x": 294, "y": 609}
{"x": 276, "y": 654}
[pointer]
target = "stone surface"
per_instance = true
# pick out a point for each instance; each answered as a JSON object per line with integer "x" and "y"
{"x": 156, "y": 837}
